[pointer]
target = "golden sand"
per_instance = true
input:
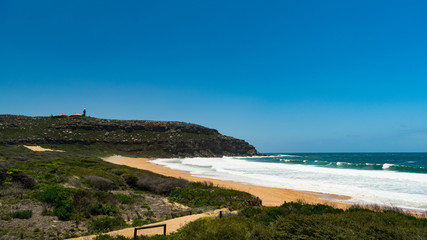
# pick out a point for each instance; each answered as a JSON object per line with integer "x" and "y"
{"x": 269, "y": 196}
{"x": 40, "y": 149}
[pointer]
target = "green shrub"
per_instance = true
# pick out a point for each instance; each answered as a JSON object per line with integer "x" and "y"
{"x": 159, "y": 184}
{"x": 125, "y": 199}
{"x": 108, "y": 237}
{"x": 87, "y": 203}
{"x": 139, "y": 222}
{"x": 106, "y": 224}
{"x": 307, "y": 209}
{"x": 25, "y": 214}
{"x": 198, "y": 195}
{"x": 105, "y": 209}
{"x": 16, "y": 176}
{"x": 130, "y": 180}
{"x": 54, "y": 195}
{"x": 233, "y": 228}
{"x": 250, "y": 211}
{"x": 59, "y": 197}
{"x": 65, "y": 210}
{"x": 100, "y": 183}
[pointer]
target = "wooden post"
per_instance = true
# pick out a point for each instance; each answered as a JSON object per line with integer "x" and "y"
{"x": 153, "y": 226}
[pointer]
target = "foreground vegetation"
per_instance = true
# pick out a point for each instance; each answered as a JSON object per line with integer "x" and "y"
{"x": 88, "y": 195}
{"x": 301, "y": 221}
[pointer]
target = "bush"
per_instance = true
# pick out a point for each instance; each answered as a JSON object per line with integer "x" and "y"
{"x": 54, "y": 194}
{"x": 100, "y": 183}
{"x": 59, "y": 197}
{"x": 139, "y": 222}
{"x": 199, "y": 194}
{"x": 233, "y": 228}
{"x": 88, "y": 203}
{"x": 65, "y": 210}
{"x": 106, "y": 224}
{"x": 125, "y": 199}
{"x": 307, "y": 209}
{"x": 105, "y": 209}
{"x": 25, "y": 214}
{"x": 159, "y": 184}
{"x": 15, "y": 176}
{"x": 108, "y": 237}
{"x": 131, "y": 180}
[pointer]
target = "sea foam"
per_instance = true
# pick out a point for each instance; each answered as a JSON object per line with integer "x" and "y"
{"x": 398, "y": 189}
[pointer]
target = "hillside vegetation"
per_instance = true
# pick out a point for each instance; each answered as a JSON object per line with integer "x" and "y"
{"x": 141, "y": 138}
{"x": 56, "y": 195}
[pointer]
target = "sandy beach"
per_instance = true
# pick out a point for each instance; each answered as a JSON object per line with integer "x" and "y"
{"x": 269, "y": 196}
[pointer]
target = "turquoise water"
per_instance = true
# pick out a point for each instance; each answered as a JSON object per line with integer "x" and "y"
{"x": 401, "y": 162}
{"x": 391, "y": 179}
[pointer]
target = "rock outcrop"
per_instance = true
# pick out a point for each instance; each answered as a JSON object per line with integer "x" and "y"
{"x": 148, "y": 138}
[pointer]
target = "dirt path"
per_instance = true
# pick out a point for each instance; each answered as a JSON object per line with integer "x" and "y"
{"x": 40, "y": 149}
{"x": 172, "y": 225}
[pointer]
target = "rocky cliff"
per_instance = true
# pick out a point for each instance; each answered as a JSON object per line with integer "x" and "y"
{"x": 148, "y": 138}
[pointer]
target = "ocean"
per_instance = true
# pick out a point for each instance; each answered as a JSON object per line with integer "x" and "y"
{"x": 389, "y": 179}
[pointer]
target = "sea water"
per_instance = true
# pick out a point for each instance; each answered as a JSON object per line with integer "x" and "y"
{"x": 390, "y": 179}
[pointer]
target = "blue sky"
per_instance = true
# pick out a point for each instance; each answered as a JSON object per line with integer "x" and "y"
{"x": 287, "y": 76}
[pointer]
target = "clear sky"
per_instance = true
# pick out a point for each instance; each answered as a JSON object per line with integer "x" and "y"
{"x": 286, "y": 76}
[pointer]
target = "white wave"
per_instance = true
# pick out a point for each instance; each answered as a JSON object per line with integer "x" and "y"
{"x": 283, "y": 155}
{"x": 400, "y": 189}
{"x": 387, "y": 165}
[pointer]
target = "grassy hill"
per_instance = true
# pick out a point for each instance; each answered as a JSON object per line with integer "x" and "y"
{"x": 142, "y": 138}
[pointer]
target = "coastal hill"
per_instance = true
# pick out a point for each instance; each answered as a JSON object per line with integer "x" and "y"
{"x": 142, "y": 138}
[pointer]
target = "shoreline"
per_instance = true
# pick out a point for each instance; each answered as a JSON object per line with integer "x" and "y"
{"x": 270, "y": 196}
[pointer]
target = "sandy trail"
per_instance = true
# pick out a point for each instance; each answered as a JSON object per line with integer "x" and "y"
{"x": 40, "y": 149}
{"x": 172, "y": 225}
{"x": 269, "y": 196}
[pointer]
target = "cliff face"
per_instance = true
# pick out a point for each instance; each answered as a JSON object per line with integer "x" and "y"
{"x": 149, "y": 138}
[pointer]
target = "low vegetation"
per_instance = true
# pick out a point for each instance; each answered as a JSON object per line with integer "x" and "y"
{"x": 89, "y": 195}
{"x": 301, "y": 221}
{"x": 204, "y": 194}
